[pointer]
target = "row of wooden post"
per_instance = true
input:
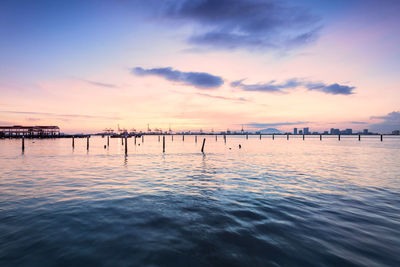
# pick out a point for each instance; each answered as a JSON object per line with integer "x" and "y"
{"x": 126, "y": 142}
{"x": 320, "y": 137}
{"x": 183, "y": 139}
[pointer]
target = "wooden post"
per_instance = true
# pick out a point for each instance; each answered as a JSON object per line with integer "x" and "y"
{"x": 273, "y": 136}
{"x": 183, "y": 137}
{"x": 339, "y": 137}
{"x": 224, "y": 138}
{"x": 216, "y": 137}
{"x": 158, "y": 138}
{"x": 260, "y": 136}
{"x": 135, "y": 139}
{"x": 195, "y": 139}
{"x": 108, "y": 141}
{"x": 247, "y": 136}
{"x": 142, "y": 138}
{"x": 87, "y": 143}
{"x": 73, "y": 141}
{"x": 202, "y": 147}
{"x": 126, "y": 145}
{"x": 23, "y": 143}
{"x": 303, "y": 136}
{"x": 381, "y": 137}
{"x": 172, "y": 137}
{"x": 320, "y": 137}
{"x": 163, "y": 144}
{"x": 359, "y": 137}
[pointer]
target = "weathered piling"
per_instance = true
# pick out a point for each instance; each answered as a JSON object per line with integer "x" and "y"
{"x": 273, "y": 137}
{"x": 23, "y": 143}
{"x": 260, "y": 136}
{"x": 183, "y": 137}
{"x": 158, "y": 138}
{"x": 163, "y": 144}
{"x": 303, "y": 136}
{"x": 87, "y": 143}
{"x": 287, "y": 137}
{"x": 381, "y": 137}
{"x": 126, "y": 145}
{"x": 142, "y": 138}
{"x": 216, "y": 137}
{"x": 73, "y": 142}
{"x": 247, "y": 136}
{"x": 359, "y": 137}
{"x": 108, "y": 141}
{"x": 172, "y": 138}
{"x": 320, "y": 137}
{"x": 135, "y": 139}
{"x": 202, "y": 146}
{"x": 339, "y": 137}
{"x": 224, "y": 138}
{"x": 195, "y": 139}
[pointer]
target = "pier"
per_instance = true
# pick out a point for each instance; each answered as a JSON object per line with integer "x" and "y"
{"x": 29, "y": 131}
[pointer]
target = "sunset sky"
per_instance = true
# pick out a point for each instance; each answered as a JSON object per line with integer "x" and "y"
{"x": 198, "y": 64}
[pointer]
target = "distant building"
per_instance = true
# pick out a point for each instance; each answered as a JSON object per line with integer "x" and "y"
{"x": 326, "y": 132}
{"x": 335, "y": 131}
{"x": 365, "y": 131}
{"x": 301, "y": 132}
{"x": 306, "y": 130}
{"x": 348, "y": 131}
{"x": 396, "y": 132}
{"x": 295, "y": 131}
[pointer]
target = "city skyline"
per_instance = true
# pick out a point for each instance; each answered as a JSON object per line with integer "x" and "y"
{"x": 200, "y": 65}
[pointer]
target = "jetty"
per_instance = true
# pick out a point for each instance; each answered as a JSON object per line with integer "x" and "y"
{"x": 29, "y": 131}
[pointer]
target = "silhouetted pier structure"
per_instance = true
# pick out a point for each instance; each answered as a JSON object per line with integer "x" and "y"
{"x": 29, "y": 131}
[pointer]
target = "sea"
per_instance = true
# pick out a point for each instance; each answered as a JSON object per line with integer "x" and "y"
{"x": 243, "y": 202}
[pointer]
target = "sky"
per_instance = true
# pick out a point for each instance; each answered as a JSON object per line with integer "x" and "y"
{"x": 200, "y": 64}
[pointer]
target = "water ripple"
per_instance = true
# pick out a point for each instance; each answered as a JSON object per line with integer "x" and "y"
{"x": 269, "y": 204}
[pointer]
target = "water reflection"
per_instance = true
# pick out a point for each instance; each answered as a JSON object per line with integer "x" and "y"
{"x": 272, "y": 202}
{"x": 126, "y": 160}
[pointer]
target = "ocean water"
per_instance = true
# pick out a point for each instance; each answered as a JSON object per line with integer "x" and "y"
{"x": 271, "y": 203}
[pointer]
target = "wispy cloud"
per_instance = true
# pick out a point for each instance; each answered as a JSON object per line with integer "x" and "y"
{"x": 270, "y": 87}
{"x": 335, "y": 89}
{"x": 359, "y": 122}
{"x": 248, "y": 24}
{"x": 273, "y": 87}
{"x": 82, "y": 116}
{"x": 240, "y": 99}
{"x": 100, "y": 84}
{"x": 32, "y": 119}
{"x": 201, "y": 80}
{"x": 262, "y": 125}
